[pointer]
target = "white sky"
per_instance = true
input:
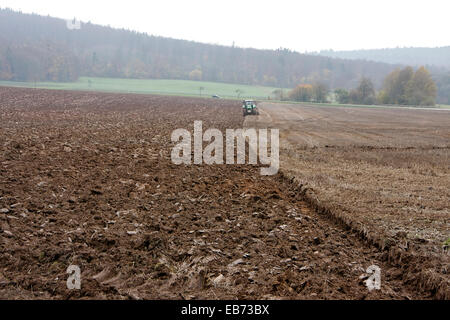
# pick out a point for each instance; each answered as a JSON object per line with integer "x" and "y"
{"x": 300, "y": 25}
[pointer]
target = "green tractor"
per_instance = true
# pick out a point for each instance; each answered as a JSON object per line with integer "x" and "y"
{"x": 249, "y": 107}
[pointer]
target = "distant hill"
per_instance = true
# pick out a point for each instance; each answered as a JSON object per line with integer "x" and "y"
{"x": 34, "y": 47}
{"x": 437, "y": 57}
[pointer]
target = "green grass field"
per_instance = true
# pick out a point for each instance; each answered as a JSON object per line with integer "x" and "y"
{"x": 172, "y": 87}
{"x": 166, "y": 87}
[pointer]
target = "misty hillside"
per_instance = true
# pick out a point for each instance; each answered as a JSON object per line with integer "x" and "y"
{"x": 41, "y": 48}
{"x": 437, "y": 57}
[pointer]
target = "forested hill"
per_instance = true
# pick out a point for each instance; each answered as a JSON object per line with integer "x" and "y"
{"x": 437, "y": 57}
{"x": 37, "y": 48}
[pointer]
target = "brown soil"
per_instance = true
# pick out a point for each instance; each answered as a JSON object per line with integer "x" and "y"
{"x": 86, "y": 179}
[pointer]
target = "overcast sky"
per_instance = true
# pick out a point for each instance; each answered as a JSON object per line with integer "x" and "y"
{"x": 310, "y": 25}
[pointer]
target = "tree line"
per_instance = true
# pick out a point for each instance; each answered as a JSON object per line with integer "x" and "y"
{"x": 400, "y": 87}
{"x": 317, "y": 92}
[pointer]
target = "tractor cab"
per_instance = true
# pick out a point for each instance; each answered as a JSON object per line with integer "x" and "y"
{"x": 249, "y": 107}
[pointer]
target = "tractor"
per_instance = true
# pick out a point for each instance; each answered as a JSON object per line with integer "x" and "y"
{"x": 249, "y": 107}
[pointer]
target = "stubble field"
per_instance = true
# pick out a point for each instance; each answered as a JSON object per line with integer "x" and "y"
{"x": 384, "y": 172}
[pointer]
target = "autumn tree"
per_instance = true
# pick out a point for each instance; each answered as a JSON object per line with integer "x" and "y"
{"x": 421, "y": 89}
{"x": 406, "y": 87}
{"x": 394, "y": 86}
{"x": 364, "y": 93}
{"x": 320, "y": 92}
{"x": 302, "y": 92}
